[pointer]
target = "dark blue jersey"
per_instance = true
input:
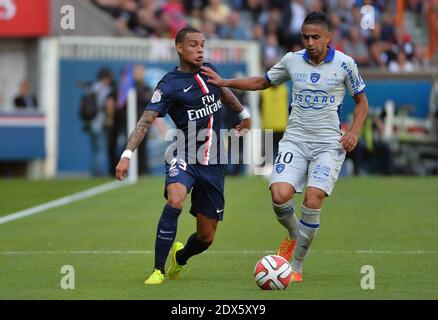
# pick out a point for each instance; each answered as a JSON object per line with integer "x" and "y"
{"x": 195, "y": 107}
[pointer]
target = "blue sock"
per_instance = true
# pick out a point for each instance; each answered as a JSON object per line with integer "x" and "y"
{"x": 166, "y": 233}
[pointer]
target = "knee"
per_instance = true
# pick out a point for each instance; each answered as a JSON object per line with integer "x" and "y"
{"x": 314, "y": 200}
{"x": 280, "y": 196}
{"x": 176, "y": 201}
{"x": 176, "y": 194}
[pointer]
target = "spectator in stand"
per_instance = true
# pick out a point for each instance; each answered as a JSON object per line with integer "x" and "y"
{"x": 25, "y": 97}
{"x": 294, "y": 13}
{"x": 255, "y": 8}
{"x": 271, "y": 21}
{"x": 316, "y": 5}
{"x": 342, "y": 12}
{"x": 356, "y": 48}
{"x": 173, "y": 14}
{"x": 402, "y": 64}
{"x": 127, "y": 18}
{"x": 209, "y": 30}
{"x": 233, "y": 29}
{"x": 217, "y": 11}
{"x": 195, "y": 17}
{"x": 420, "y": 59}
{"x": 377, "y": 48}
{"x": 220, "y": 20}
{"x": 147, "y": 21}
{"x": 110, "y": 6}
{"x": 272, "y": 52}
{"x": 258, "y": 33}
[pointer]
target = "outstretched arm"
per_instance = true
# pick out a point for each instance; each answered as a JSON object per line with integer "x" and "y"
{"x": 351, "y": 137}
{"x": 253, "y": 83}
{"x": 134, "y": 141}
{"x": 234, "y": 104}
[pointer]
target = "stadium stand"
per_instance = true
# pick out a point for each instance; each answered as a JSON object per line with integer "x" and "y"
{"x": 396, "y": 30}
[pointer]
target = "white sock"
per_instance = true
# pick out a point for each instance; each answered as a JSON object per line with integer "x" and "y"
{"x": 307, "y": 230}
{"x": 286, "y": 216}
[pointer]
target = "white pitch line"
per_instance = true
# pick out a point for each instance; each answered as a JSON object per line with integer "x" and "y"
{"x": 214, "y": 252}
{"x": 63, "y": 201}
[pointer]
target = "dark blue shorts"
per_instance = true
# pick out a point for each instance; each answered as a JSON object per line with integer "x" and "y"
{"x": 205, "y": 182}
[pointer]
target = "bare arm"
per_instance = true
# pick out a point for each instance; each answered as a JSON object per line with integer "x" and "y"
{"x": 140, "y": 130}
{"x": 228, "y": 97}
{"x": 253, "y": 83}
{"x": 351, "y": 137}
{"x": 234, "y": 104}
{"x": 360, "y": 113}
{"x": 134, "y": 140}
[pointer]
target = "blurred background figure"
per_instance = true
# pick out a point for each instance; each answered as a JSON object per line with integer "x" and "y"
{"x": 433, "y": 110}
{"x": 233, "y": 29}
{"x": 25, "y": 98}
{"x": 294, "y": 13}
{"x": 144, "y": 95}
{"x": 100, "y": 128}
{"x": 373, "y": 153}
{"x": 132, "y": 76}
{"x": 218, "y": 12}
{"x": 401, "y": 64}
{"x": 271, "y": 51}
{"x": 356, "y": 48}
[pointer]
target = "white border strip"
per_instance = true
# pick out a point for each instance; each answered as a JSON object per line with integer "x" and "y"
{"x": 22, "y": 121}
{"x": 63, "y": 201}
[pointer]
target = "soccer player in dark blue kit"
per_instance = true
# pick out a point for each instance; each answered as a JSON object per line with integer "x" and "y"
{"x": 193, "y": 164}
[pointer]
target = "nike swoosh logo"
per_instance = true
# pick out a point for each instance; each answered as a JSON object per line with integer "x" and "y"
{"x": 161, "y": 231}
{"x": 187, "y": 89}
{"x": 219, "y": 211}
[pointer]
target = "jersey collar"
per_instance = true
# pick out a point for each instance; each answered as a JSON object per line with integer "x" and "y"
{"x": 328, "y": 58}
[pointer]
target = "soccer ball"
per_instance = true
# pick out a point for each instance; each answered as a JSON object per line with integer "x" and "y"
{"x": 272, "y": 272}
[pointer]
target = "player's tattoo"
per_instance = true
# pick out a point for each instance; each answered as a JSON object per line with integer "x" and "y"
{"x": 140, "y": 130}
{"x": 231, "y": 100}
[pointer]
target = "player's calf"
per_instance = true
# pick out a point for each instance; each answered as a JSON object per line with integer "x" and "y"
{"x": 286, "y": 216}
{"x": 308, "y": 228}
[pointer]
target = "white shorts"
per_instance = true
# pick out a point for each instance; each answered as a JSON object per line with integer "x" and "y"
{"x": 312, "y": 164}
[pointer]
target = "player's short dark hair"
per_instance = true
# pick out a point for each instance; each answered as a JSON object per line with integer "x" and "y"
{"x": 182, "y": 33}
{"x": 317, "y": 17}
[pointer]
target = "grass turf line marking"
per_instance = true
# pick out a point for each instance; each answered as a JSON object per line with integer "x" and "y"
{"x": 64, "y": 200}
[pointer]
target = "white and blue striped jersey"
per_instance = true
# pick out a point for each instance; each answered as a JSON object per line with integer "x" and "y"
{"x": 317, "y": 94}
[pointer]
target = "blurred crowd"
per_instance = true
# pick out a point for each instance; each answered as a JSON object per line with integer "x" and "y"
{"x": 276, "y": 25}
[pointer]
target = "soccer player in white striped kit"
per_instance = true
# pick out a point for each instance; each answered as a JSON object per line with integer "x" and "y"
{"x": 313, "y": 147}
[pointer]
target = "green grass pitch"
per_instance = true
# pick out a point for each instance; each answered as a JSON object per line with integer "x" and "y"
{"x": 388, "y": 223}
